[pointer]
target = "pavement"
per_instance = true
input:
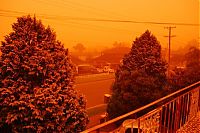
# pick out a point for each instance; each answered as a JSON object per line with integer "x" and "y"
{"x": 94, "y": 91}
{"x": 193, "y": 126}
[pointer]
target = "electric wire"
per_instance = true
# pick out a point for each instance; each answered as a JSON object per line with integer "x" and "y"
{"x": 47, "y": 16}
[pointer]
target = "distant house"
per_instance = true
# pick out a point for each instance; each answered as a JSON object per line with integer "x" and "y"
{"x": 111, "y": 56}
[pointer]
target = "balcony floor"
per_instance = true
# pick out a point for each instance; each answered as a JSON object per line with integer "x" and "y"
{"x": 192, "y": 126}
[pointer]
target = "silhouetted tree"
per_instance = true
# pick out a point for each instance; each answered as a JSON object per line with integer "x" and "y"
{"x": 36, "y": 82}
{"x": 140, "y": 78}
{"x": 79, "y": 47}
{"x": 192, "y": 58}
{"x": 192, "y": 70}
{"x": 183, "y": 77}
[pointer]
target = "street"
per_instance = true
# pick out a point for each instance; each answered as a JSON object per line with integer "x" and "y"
{"x": 94, "y": 91}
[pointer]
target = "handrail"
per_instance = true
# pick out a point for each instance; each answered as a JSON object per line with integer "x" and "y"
{"x": 141, "y": 108}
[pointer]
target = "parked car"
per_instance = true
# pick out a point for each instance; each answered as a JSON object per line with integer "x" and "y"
{"x": 108, "y": 69}
{"x": 87, "y": 69}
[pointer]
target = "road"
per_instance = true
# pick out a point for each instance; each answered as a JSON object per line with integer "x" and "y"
{"x": 94, "y": 90}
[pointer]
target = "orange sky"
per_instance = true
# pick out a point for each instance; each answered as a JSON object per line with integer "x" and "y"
{"x": 104, "y": 34}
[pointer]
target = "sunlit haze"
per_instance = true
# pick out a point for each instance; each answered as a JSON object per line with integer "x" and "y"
{"x": 104, "y": 70}
{"x": 70, "y": 19}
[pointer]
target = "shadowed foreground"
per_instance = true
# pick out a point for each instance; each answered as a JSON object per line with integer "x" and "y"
{"x": 176, "y": 112}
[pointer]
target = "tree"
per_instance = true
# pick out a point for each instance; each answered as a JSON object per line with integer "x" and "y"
{"x": 192, "y": 58}
{"x": 192, "y": 65}
{"x": 140, "y": 77}
{"x": 79, "y": 47}
{"x": 190, "y": 74}
{"x": 36, "y": 82}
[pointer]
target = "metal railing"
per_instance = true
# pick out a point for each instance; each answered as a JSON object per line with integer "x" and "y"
{"x": 170, "y": 113}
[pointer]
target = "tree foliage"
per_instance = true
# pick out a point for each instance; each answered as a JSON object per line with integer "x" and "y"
{"x": 36, "y": 82}
{"x": 190, "y": 74}
{"x": 79, "y": 47}
{"x": 140, "y": 77}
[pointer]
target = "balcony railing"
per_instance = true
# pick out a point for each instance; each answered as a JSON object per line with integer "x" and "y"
{"x": 167, "y": 114}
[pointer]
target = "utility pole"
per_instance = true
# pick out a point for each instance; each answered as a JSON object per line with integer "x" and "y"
{"x": 169, "y": 36}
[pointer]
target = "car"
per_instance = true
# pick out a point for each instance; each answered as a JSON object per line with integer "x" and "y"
{"x": 129, "y": 126}
{"x": 108, "y": 69}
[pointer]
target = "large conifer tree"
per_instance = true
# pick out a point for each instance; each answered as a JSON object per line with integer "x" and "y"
{"x": 36, "y": 82}
{"x": 140, "y": 77}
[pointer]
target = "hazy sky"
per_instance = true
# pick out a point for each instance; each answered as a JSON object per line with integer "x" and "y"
{"x": 64, "y": 16}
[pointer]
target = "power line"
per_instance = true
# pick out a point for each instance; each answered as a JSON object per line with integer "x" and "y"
{"x": 92, "y": 26}
{"x": 81, "y": 7}
{"x": 16, "y": 14}
{"x": 47, "y": 16}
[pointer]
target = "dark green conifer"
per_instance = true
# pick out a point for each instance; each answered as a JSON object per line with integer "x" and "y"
{"x": 36, "y": 82}
{"x": 140, "y": 78}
